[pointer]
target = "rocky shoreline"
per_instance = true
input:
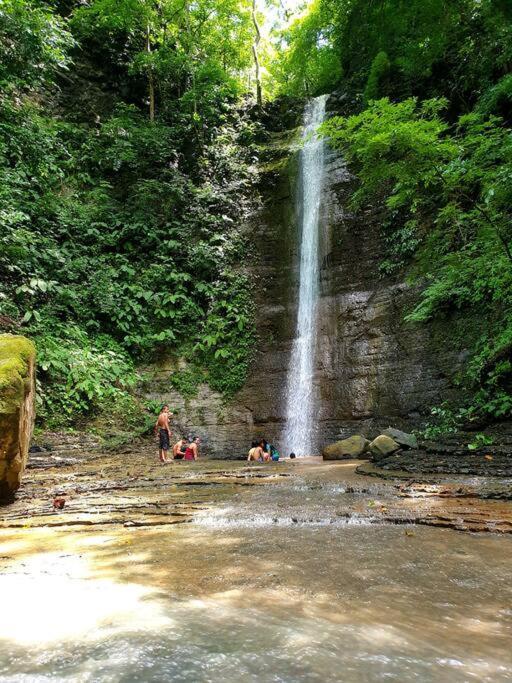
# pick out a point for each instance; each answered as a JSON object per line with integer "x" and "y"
{"x": 435, "y": 462}
{"x": 129, "y": 488}
{"x": 394, "y": 453}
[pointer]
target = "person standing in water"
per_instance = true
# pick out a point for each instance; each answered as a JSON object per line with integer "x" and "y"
{"x": 163, "y": 431}
{"x": 192, "y": 452}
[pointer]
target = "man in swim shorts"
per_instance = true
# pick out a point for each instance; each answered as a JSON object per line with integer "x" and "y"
{"x": 163, "y": 431}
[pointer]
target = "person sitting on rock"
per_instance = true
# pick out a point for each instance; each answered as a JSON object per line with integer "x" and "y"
{"x": 179, "y": 448}
{"x": 192, "y": 451}
{"x": 274, "y": 453}
{"x": 258, "y": 452}
{"x": 252, "y": 452}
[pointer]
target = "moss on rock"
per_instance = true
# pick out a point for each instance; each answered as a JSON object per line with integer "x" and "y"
{"x": 17, "y": 365}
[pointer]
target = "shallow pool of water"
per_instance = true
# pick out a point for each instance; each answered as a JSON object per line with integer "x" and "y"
{"x": 271, "y": 584}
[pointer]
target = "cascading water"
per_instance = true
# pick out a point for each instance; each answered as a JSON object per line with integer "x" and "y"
{"x": 300, "y": 395}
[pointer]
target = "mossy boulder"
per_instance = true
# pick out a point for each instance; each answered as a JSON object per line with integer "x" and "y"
{"x": 17, "y": 410}
{"x": 404, "y": 439}
{"x": 353, "y": 447}
{"x": 382, "y": 446}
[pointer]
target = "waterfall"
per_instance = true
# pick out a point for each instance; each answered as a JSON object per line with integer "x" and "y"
{"x": 301, "y": 399}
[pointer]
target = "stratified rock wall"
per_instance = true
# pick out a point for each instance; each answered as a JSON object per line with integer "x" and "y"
{"x": 17, "y": 411}
{"x": 372, "y": 369}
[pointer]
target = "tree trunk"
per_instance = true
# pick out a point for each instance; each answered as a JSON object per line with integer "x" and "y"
{"x": 151, "y": 98}
{"x": 256, "y": 42}
{"x": 191, "y": 58}
{"x": 151, "y": 82}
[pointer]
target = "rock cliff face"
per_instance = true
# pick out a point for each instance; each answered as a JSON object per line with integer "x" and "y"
{"x": 371, "y": 368}
{"x": 17, "y": 365}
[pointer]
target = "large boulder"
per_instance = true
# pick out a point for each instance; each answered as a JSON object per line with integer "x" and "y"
{"x": 405, "y": 440}
{"x": 383, "y": 446}
{"x": 17, "y": 410}
{"x": 353, "y": 447}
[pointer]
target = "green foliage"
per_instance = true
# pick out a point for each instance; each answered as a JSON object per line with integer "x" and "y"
{"x": 456, "y": 49}
{"x": 379, "y": 71}
{"x": 123, "y": 420}
{"x": 191, "y": 53}
{"x": 396, "y": 148}
{"x": 444, "y": 423}
{"x": 34, "y": 43}
{"x": 414, "y": 35}
{"x": 120, "y": 235}
{"x": 309, "y": 65}
{"x": 79, "y": 375}
{"x": 228, "y": 340}
{"x": 498, "y": 99}
{"x": 447, "y": 192}
{"x": 187, "y": 381}
{"x": 480, "y": 440}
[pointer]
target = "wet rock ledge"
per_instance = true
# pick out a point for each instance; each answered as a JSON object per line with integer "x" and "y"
{"x": 425, "y": 461}
{"x": 394, "y": 453}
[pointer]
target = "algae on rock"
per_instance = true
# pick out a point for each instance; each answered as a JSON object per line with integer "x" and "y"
{"x": 353, "y": 447}
{"x": 17, "y": 409}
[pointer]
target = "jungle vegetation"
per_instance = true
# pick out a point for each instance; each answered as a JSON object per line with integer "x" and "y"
{"x": 128, "y": 164}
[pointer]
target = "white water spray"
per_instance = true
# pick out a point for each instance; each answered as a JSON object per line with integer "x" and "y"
{"x": 300, "y": 394}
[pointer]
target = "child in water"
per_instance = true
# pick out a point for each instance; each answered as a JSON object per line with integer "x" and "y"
{"x": 274, "y": 453}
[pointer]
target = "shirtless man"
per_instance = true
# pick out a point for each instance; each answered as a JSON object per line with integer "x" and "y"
{"x": 258, "y": 453}
{"x": 179, "y": 448}
{"x": 163, "y": 429}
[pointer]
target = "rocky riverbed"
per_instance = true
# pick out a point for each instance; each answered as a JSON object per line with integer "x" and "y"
{"x": 131, "y": 488}
{"x": 294, "y": 571}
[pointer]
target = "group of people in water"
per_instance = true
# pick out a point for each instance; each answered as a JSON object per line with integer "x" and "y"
{"x": 262, "y": 451}
{"x": 184, "y": 449}
{"x": 188, "y": 448}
